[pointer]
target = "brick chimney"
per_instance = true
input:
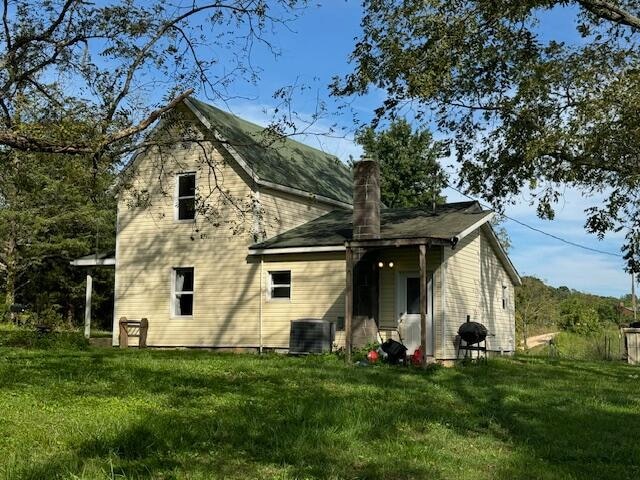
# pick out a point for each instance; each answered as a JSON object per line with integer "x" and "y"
{"x": 366, "y": 200}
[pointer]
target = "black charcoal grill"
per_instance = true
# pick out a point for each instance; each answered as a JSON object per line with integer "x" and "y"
{"x": 473, "y": 332}
{"x": 472, "y": 338}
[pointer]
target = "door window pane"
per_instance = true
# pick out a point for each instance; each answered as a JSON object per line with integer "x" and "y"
{"x": 413, "y": 295}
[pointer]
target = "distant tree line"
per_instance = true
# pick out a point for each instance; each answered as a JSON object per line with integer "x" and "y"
{"x": 543, "y": 308}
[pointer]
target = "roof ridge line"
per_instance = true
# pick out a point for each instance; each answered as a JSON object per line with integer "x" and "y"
{"x": 289, "y": 139}
{"x": 250, "y": 171}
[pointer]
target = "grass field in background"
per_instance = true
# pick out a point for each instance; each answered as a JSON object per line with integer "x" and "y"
{"x": 604, "y": 345}
{"x": 78, "y": 412}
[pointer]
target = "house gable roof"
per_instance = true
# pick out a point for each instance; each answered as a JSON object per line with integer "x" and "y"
{"x": 502, "y": 254}
{"x": 335, "y": 228}
{"x": 451, "y": 222}
{"x": 284, "y": 162}
{"x": 94, "y": 259}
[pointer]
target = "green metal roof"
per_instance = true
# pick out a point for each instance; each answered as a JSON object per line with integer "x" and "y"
{"x": 334, "y": 228}
{"x": 283, "y": 161}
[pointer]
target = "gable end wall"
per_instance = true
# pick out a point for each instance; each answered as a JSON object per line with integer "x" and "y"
{"x": 150, "y": 243}
{"x": 495, "y": 281}
{"x": 473, "y": 280}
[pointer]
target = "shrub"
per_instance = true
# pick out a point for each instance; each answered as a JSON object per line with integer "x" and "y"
{"x": 579, "y": 318}
{"x": 361, "y": 353}
{"x": 50, "y": 317}
{"x": 28, "y": 337}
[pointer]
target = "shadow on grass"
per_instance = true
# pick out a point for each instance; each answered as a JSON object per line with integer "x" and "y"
{"x": 200, "y": 415}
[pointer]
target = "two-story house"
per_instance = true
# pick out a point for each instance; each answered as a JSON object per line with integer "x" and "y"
{"x": 223, "y": 241}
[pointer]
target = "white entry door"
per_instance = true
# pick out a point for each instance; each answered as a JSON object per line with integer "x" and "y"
{"x": 408, "y": 304}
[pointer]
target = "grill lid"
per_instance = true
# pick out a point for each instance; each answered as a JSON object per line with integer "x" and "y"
{"x": 473, "y": 332}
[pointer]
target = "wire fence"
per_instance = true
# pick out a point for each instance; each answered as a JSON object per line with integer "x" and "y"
{"x": 606, "y": 346}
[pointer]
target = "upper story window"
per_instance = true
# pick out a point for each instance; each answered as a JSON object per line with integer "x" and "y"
{"x": 280, "y": 285}
{"x": 504, "y": 297}
{"x": 186, "y": 196}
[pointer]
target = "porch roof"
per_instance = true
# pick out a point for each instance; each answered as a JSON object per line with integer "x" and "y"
{"x": 449, "y": 223}
{"x": 95, "y": 259}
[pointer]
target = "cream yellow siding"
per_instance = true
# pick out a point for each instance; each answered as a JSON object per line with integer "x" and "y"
{"x": 231, "y": 304}
{"x": 462, "y": 289}
{"x": 317, "y": 291}
{"x": 151, "y": 243}
{"x": 498, "y": 316}
{"x": 283, "y": 211}
{"x": 473, "y": 283}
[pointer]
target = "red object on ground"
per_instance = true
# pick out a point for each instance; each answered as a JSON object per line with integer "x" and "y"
{"x": 373, "y": 356}
{"x": 416, "y": 358}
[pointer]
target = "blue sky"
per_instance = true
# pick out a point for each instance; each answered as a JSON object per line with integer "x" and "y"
{"x": 317, "y": 48}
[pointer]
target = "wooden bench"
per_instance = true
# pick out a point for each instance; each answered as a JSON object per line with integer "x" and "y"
{"x": 142, "y": 325}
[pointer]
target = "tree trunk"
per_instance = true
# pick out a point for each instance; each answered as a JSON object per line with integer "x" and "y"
{"x": 70, "y": 314}
{"x": 10, "y": 253}
{"x": 12, "y": 267}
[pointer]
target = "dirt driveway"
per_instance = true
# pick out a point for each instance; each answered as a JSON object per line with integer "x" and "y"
{"x": 540, "y": 339}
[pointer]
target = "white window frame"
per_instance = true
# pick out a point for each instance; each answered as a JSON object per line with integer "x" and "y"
{"x": 173, "y": 299}
{"x": 270, "y": 286}
{"x": 178, "y": 197}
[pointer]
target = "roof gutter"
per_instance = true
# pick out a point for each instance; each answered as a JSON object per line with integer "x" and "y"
{"x": 473, "y": 228}
{"x": 274, "y": 251}
{"x": 302, "y": 193}
{"x": 92, "y": 262}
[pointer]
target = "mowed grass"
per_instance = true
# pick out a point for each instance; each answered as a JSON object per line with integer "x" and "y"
{"x": 91, "y": 414}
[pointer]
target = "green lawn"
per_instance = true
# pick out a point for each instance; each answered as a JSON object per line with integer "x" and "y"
{"x": 83, "y": 413}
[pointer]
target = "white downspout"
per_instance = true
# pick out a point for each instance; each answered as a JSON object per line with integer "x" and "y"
{"x": 444, "y": 303}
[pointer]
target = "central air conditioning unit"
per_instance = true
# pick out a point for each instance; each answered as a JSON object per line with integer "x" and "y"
{"x": 311, "y": 335}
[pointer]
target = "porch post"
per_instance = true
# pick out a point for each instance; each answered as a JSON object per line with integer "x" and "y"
{"x": 87, "y": 306}
{"x": 423, "y": 303}
{"x": 348, "y": 304}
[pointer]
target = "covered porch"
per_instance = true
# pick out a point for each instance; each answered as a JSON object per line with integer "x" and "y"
{"x": 396, "y": 263}
{"x": 394, "y": 287}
